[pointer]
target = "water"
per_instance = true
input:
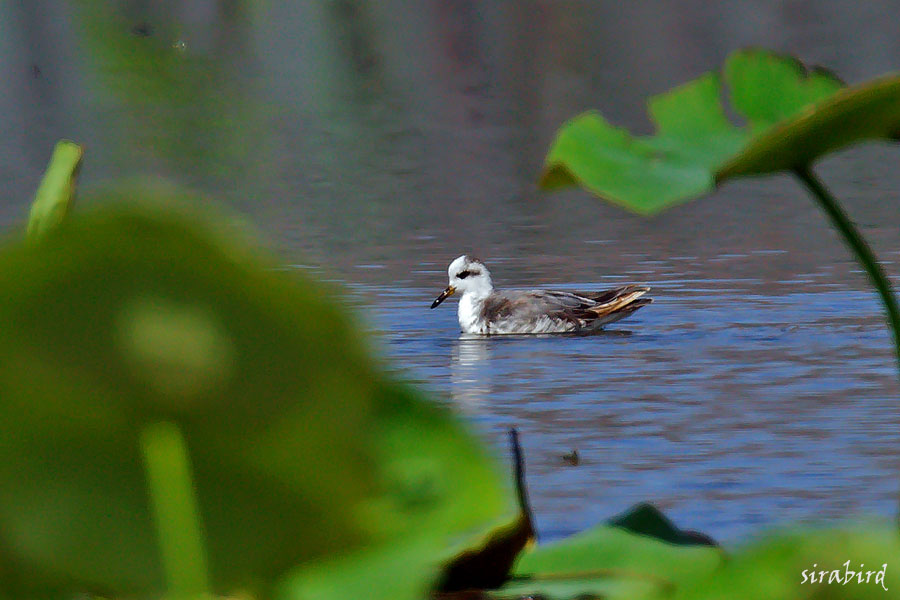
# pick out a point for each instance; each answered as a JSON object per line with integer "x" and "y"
{"x": 732, "y": 403}
{"x": 374, "y": 142}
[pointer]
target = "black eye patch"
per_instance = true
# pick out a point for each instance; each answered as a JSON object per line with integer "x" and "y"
{"x": 466, "y": 273}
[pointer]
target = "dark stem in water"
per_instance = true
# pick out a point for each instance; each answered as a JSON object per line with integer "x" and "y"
{"x": 521, "y": 489}
{"x": 860, "y": 248}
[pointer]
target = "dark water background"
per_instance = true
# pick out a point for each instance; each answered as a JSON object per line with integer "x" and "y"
{"x": 374, "y": 142}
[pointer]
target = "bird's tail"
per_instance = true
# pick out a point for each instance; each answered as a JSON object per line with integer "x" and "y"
{"x": 617, "y": 303}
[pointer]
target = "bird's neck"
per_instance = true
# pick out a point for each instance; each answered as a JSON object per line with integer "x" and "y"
{"x": 481, "y": 291}
{"x": 476, "y": 296}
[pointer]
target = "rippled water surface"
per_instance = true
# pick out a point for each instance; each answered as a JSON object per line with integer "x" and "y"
{"x": 374, "y": 142}
{"x": 731, "y": 403}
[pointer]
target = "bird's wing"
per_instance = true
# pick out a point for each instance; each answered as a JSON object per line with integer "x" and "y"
{"x": 536, "y": 304}
{"x": 580, "y": 308}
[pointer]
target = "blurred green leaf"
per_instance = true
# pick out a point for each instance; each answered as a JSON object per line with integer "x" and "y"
{"x": 304, "y": 453}
{"x": 773, "y": 568}
{"x": 793, "y": 117}
{"x": 610, "y": 561}
{"x": 175, "y": 511}
{"x": 646, "y": 519}
{"x": 596, "y": 586}
{"x": 864, "y": 112}
{"x": 56, "y": 193}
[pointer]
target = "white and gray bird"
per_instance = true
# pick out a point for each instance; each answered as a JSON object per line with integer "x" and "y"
{"x": 486, "y": 311}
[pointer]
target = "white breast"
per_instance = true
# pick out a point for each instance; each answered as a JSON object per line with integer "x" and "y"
{"x": 468, "y": 312}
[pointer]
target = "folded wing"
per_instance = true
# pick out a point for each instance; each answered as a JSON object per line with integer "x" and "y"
{"x": 584, "y": 310}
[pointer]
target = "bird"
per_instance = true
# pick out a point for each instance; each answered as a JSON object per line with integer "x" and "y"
{"x": 572, "y": 459}
{"x": 486, "y": 311}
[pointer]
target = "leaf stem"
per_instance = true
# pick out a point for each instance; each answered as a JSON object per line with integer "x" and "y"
{"x": 521, "y": 488}
{"x": 860, "y": 248}
{"x": 176, "y": 512}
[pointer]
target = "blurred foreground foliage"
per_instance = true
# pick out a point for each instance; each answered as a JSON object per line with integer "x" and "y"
{"x": 179, "y": 417}
{"x": 609, "y": 563}
{"x": 301, "y": 449}
{"x": 56, "y": 194}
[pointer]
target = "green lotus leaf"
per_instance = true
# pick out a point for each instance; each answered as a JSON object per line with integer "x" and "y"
{"x": 792, "y": 117}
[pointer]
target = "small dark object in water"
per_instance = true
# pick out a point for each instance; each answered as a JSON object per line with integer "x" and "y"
{"x": 142, "y": 29}
{"x": 35, "y": 71}
{"x": 572, "y": 458}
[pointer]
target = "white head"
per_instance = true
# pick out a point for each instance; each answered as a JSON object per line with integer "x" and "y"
{"x": 467, "y": 275}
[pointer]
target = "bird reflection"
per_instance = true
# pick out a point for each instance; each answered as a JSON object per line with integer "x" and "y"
{"x": 470, "y": 373}
{"x": 472, "y": 369}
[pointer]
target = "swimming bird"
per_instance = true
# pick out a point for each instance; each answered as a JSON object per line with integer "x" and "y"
{"x": 486, "y": 311}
